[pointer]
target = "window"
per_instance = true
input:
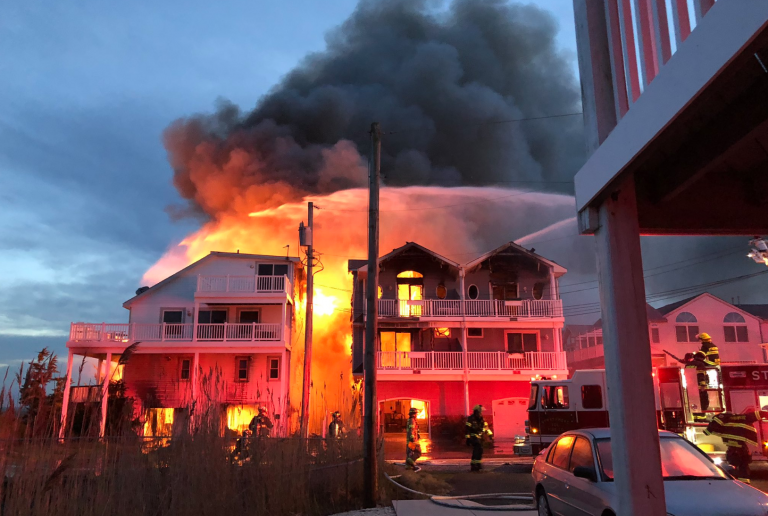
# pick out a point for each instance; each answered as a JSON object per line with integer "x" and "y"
{"x": 249, "y": 316}
{"x": 562, "y": 452}
{"x": 266, "y": 269}
{"x": 686, "y": 317}
{"x": 505, "y": 292}
{"x": 735, "y": 329}
{"x": 538, "y": 290}
{"x": 442, "y": 332}
{"x": 687, "y": 331}
{"x": 474, "y": 332}
{"x": 655, "y": 336}
{"x": 273, "y": 368}
{"x": 175, "y": 316}
{"x": 581, "y": 455}
{"x": 534, "y": 397}
{"x": 410, "y": 274}
{"x": 173, "y": 320}
{"x": 280, "y": 270}
{"x": 473, "y": 292}
{"x": 441, "y": 291}
{"x": 410, "y": 287}
{"x": 591, "y": 397}
{"x": 241, "y": 368}
{"x": 212, "y": 317}
{"x": 185, "y": 369}
{"x": 554, "y": 397}
{"x": 522, "y": 342}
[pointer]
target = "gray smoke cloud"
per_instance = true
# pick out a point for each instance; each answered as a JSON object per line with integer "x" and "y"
{"x": 438, "y": 81}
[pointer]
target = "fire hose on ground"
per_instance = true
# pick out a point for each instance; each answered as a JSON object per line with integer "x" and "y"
{"x": 445, "y": 501}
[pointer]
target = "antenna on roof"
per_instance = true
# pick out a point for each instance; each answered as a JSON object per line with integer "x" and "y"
{"x": 287, "y": 250}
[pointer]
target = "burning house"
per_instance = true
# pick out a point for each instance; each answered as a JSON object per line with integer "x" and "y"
{"x": 218, "y": 333}
{"x": 452, "y": 335}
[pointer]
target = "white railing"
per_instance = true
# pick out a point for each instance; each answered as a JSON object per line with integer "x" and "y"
{"x": 577, "y": 355}
{"x": 243, "y": 284}
{"x": 476, "y": 360}
{"x": 528, "y": 308}
{"x": 125, "y": 333}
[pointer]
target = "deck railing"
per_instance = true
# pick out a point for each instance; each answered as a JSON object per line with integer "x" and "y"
{"x": 163, "y": 332}
{"x": 476, "y": 360}
{"x": 528, "y": 308}
{"x": 244, "y": 284}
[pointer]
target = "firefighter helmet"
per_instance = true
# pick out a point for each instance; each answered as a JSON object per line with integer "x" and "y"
{"x": 413, "y": 411}
{"x": 700, "y": 355}
{"x": 336, "y": 414}
{"x": 478, "y": 408}
{"x": 262, "y": 409}
{"x": 704, "y": 337}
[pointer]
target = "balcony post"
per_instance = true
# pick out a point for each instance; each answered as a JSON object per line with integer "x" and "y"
{"x": 103, "y": 334}
{"x": 195, "y": 320}
{"x": 253, "y": 331}
{"x": 162, "y": 333}
{"x": 224, "y": 337}
{"x": 464, "y": 354}
{"x": 105, "y": 394}
{"x": 65, "y": 401}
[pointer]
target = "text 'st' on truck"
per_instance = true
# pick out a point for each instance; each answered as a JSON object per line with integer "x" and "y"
{"x": 686, "y": 400}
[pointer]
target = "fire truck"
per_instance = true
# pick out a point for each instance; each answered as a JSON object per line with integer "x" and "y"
{"x": 685, "y": 403}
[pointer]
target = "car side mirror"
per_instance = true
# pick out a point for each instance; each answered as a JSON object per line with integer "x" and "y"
{"x": 585, "y": 472}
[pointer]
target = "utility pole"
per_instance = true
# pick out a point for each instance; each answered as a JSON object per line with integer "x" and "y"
{"x": 370, "y": 423}
{"x": 305, "y": 239}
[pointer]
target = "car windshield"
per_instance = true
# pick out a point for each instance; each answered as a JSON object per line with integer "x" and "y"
{"x": 679, "y": 460}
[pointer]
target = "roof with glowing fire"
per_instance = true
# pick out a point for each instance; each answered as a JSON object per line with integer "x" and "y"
{"x": 559, "y": 270}
{"x": 407, "y": 246}
{"x": 212, "y": 254}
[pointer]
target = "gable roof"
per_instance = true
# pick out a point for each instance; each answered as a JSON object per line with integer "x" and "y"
{"x": 353, "y": 265}
{"x": 667, "y": 309}
{"x": 559, "y": 269}
{"x": 206, "y": 258}
{"x": 410, "y": 245}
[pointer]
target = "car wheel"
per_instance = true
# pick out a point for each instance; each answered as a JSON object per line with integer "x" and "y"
{"x": 543, "y": 505}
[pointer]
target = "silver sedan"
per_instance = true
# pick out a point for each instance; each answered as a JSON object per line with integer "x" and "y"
{"x": 574, "y": 476}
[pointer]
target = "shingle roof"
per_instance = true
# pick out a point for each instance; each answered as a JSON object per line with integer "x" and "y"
{"x": 653, "y": 316}
{"x": 760, "y": 311}
{"x": 664, "y": 310}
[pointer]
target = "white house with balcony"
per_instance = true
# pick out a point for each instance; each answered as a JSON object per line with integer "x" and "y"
{"x": 216, "y": 333}
{"x": 739, "y": 331}
{"x": 455, "y": 335}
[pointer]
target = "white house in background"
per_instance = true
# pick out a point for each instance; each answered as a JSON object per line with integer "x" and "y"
{"x": 738, "y": 330}
{"x": 218, "y": 331}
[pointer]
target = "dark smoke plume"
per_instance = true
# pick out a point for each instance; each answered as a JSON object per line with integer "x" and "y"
{"x": 436, "y": 80}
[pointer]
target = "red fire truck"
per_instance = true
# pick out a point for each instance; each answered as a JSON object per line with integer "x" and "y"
{"x": 683, "y": 404}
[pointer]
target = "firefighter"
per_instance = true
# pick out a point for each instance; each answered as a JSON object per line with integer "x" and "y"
{"x": 477, "y": 429}
{"x": 737, "y": 432}
{"x": 336, "y": 428}
{"x": 412, "y": 447}
{"x": 261, "y": 425}
{"x": 711, "y": 353}
{"x": 698, "y": 361}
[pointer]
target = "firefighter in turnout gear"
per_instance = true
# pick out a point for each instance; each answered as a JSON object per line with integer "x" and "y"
{"x": 738, "y": 432}
{"x": 336, "y": 428}
{"x": 698, "y": 362}
{"x": 711, "y": 353}
{"x": 261, "y": 425}
{"x": 477, "y": 429}
{"x": 412, "y": 447}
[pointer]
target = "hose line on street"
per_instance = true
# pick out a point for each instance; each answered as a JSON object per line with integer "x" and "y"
{"x": 525, "y": 500}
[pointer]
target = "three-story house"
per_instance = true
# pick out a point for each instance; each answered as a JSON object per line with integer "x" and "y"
{"x": 452, "y": 336}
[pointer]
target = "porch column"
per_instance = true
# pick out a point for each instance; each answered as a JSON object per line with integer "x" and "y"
{"x": 634, "y": 434}
{"x": 195, "y": 376}
{"x": 464, "y": 355}
{"x": 105, "y": 394}
{"x": 65, "y": 401}
{"x": 284, "y": 368}
{"x": 195, "y": 318}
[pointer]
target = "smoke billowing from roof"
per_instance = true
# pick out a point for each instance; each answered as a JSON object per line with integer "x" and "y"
{"x": 437, "y": 80}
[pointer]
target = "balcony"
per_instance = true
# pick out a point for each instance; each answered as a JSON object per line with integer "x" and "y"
{"x": 165, "y": 332}
{"x": 487, "y": 308}
{"x": 487, "y": 361}
{"x": 242, "y": 286}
